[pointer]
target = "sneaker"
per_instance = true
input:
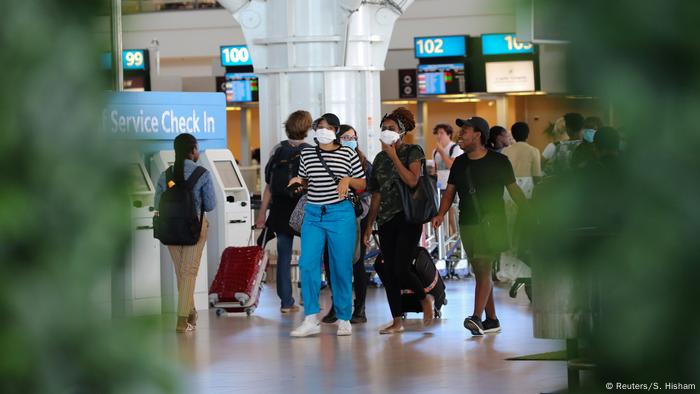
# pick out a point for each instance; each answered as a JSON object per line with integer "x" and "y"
{"x": 491, "y": 325}
{"x": 344, "y": 328}
{"x": 473, "y": 324}
{"x": 330, "y": 318}
{"x": 308, "y": 327}
{"x": 293, "y": 308}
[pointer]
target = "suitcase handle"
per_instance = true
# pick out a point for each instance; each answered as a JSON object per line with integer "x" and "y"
{"x": 237, "y": 221}
{"x": 144, "y": 227}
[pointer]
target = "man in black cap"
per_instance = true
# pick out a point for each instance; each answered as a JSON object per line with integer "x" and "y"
{"x": 479, "y": 176}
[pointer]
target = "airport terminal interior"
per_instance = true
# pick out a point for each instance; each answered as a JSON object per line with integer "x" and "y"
{"x": 349, "y": 196}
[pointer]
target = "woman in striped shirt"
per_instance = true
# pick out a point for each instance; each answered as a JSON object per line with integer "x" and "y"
{"x": 329, "y": 217}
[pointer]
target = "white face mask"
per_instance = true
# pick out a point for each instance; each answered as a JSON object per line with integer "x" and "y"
{"x": 389, "y": 137}
{"x": 325, "y": 136}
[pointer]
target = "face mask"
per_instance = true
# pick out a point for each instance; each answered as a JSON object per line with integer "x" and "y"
{"x": 350, "y": 144}
{"x": 325, "y": 136}
{"x": 389, "y": 137}
{"x": 588, "y": 135}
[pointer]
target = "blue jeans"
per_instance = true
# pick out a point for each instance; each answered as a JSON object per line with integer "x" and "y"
{"x": 284, "y": 269}
{"x": 333, "y": 224}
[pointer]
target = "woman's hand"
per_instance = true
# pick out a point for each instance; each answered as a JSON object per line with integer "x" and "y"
{"x": 343, "y": 187}
{"x": 437, "y": 221}
{"x": 390, "y": 150}
{"x": 366, "y": 236}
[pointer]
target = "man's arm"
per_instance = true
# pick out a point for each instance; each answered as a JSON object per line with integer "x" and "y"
{"x": 445, "y": 203}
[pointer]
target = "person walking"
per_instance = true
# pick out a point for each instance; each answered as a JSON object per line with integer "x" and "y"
{"x": 186, "y": 258}
{"x": 479, "y": 176}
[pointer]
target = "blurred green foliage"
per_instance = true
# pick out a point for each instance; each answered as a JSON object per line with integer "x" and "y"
{"x": 63, "y": 214}
{"x": 644, "y": 57}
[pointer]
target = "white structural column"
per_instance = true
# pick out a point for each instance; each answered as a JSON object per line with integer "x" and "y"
{"x": 319, "y": 56}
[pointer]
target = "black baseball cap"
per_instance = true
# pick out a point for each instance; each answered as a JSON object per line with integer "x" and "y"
{"x": 479, "y": 124}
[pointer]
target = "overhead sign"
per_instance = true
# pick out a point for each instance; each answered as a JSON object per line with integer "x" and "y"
{"x": 445, "y": 46}
{"x": 163, "y": 116}
{"x": 504, "y": 44}
{"x": 132, "y": 59}
{"x": 235, "y": 55}
{"x": 502, "y": 77}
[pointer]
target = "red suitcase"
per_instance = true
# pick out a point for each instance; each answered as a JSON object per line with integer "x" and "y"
{"x": 238, "y": 281}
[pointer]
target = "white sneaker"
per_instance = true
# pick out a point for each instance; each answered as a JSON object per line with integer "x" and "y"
{"x": 344, "y": 328}
{"x": 310, "y": 326}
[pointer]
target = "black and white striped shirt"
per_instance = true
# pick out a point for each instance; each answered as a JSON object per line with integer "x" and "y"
{"x": 322, "y": 189}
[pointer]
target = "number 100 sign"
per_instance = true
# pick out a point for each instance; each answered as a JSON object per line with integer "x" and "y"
{"x": 235, "y": 55}
{"x": 445, "y": 46}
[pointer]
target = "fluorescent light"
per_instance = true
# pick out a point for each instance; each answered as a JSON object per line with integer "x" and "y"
{"x": 462, "y": 100}
{"x": 399, "y": 102}
{"x": 537, "y": 93}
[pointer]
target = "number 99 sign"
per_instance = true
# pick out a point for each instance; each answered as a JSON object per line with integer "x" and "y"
{"x": 133, "y": 60}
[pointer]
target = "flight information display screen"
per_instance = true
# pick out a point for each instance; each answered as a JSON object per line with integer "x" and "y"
{"x": 241, "y": 87}
{"x": 440, "y": 78}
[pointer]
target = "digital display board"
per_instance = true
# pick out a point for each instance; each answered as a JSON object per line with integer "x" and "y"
{"x": 132, "y": 59}
{"x": 446, "y": 46}
{"x": 235, "y": 55}
{"x": 241, "y": 87}
{"x": 440, "y": 78}
{"x": 504, "y": 44}
{"x": 502, "y": 77}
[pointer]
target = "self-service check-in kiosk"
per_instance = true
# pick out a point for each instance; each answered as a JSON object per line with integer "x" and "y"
{"x": 231, "y": 221}
{"x": 159, "y": 163}
{"x": 142, "y": 274}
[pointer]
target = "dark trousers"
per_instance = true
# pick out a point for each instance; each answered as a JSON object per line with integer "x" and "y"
{"x": 359, "y": 275}
{"x": 398, "y": 241}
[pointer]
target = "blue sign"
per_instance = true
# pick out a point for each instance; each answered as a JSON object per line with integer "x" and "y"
{"x": 504, "y": 44}
{"x": 235, "y": 55}
{"x": 447, "y": 46}
{"x": 163, "y": 116}
{"x": 132, "y": 59}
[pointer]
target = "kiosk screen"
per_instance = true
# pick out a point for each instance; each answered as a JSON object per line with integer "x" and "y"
{"x": 228, "y": 174}
{"x": 137, "y": 181}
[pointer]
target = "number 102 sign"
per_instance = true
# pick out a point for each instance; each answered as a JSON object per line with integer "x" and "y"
{"x": 445, "y": 46}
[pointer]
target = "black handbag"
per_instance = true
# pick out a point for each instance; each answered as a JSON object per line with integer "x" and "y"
{"x": 492, "y": 228}
{"x": 352, "y": 196}
{"x": 420, "y": 203}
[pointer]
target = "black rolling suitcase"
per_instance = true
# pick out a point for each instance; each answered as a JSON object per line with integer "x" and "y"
{"x": 429, "y": 276}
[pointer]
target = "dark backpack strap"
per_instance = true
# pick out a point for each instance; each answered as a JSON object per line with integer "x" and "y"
{"x": 191, "y": 181}
{"x": 169, "y": 175}
{"x": 196, "y": 174}
{"x": 452, "y": 149}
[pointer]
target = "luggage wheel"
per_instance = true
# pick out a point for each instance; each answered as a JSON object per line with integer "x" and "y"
{"x": 437, "y": 313}
{"x": 249, "y": 311}
{"x": 403, "y": 316}
{"x": 220, "y": 311}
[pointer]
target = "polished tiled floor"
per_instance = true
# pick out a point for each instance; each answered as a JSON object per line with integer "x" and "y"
{"x": 256, "y": 355}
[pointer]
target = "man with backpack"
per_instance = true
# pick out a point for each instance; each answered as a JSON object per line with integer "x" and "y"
{"x": 283, "y": 166}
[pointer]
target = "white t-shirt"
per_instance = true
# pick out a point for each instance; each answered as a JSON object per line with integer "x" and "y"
{"x": 443, "y": 173}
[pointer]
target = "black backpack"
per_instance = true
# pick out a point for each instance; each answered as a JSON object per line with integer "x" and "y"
{"x": 283, "y": 166}
{"x": 177, "y": 222}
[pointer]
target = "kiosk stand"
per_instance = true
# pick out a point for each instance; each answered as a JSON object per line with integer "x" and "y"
{"x": 142, "y": 273}
{"x": 231, "y": 222}
{"x": 159, "y": 163}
